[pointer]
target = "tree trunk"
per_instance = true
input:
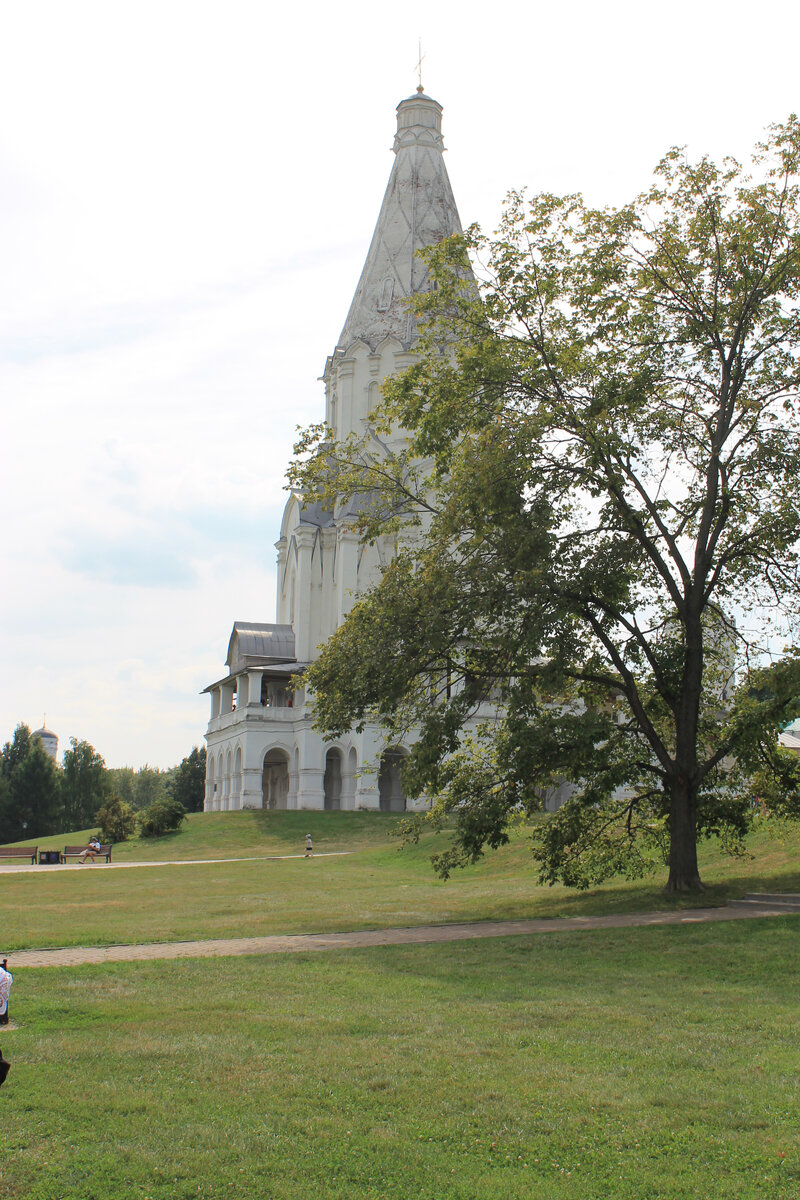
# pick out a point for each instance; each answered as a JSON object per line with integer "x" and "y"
{"x": 683, "y": 873}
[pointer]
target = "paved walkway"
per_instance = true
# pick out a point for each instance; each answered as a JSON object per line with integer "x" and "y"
{"x": 292, "y": 943}
{"x": 47, "y": 868}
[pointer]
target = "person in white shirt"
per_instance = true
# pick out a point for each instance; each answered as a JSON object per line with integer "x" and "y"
{"x": 6, "y": 980}
{"x": 92, "y": 849}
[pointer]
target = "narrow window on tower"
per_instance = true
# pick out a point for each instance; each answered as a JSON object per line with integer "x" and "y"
{"x": 387, "y": 290}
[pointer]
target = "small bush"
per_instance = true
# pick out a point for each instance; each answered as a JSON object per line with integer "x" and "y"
{"x": 162, "y": 817}
{"x": 117, "y": 820}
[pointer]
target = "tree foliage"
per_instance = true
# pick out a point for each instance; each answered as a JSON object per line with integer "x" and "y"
{"x": 15, "y": 751}
{"x": 601, "y": 470}
{"x": 84, "y": 784}
{"x": 117, "y": 820}
{"x": 30, "y": 798}
{"x": 163, "y": 816}
{"x": 142, "y": 786}
{"x": 188, "y": 781}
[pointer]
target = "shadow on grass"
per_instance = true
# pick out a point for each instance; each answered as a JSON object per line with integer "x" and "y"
{"x": 757, "y": 881}
{"x": 650, "y": 896}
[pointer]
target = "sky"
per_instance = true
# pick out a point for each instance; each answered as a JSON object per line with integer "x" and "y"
{"x": 187, "y": 195}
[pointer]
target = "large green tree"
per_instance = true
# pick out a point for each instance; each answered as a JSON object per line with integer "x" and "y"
{"x": 15, "y": 751}
{"x": 150, "y": 786}
{"x": 140, "y": 787}
{"x": 30, "y": 789}
{"x": 5, "y": 811}
{"x": 33, "y": 805}
{"x": 85, "y": 784}
{"x": 187, "y": 784}
{"x": 117, "y": 820}
{"x": 602, "y": 463}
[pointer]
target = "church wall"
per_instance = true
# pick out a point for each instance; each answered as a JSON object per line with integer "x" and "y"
{"x": 328, "y": 610}
{"x": 319, "y": 574}
{"x": 237, "y": 749}
{"x": 286, "y": 594}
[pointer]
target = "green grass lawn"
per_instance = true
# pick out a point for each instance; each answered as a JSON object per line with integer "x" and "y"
{"x": 378, "y": 883}
{"x": 642, "y": 1063}
{"x": 638, "y": 1064}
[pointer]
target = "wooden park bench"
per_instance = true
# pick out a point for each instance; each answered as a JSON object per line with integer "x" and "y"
{"x": 79, "y": 851}
{"x": 19, "y": 852}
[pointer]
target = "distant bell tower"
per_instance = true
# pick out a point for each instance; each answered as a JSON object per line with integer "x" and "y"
{"x": 48, "y": 739}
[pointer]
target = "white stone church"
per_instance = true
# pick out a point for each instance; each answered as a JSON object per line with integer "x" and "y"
{"x": 262, "y": 749}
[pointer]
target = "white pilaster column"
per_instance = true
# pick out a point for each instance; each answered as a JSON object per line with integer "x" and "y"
{"x": 348, "y": 782}
{"x": 302, "y": 623}
{"x": 367, "y": 794}
{"x": 310, "y": 789}
{"x": 254, "y": 688}
{"x": 346, "y": 572}
{"x": 208, "y": 802}
{"x": 281, "y": 603}
{"x": 216, "y": 702}
{"x": 236, "y": 782}
{"x": 367, "y": 791}
{"x": 344, "y": 391}
{"x": 310, "y": 775}
{"x": 252, "y": 788}
{"x": 331, "y": 398}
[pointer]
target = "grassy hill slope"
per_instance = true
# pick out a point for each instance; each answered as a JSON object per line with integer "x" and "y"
{"x": 370, "y": 881}
{"x": 245, "y": 833}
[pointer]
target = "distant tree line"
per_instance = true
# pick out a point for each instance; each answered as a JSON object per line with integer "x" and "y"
{"x": 38, "y": 797}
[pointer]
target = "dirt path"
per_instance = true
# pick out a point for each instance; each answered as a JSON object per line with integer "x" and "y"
{"x": 292, "y": 943}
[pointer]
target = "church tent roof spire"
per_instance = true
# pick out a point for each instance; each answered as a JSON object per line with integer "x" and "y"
{"x": 418, "y": 210}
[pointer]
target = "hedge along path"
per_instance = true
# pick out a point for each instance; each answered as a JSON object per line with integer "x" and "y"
{"x": 306, "y": 942}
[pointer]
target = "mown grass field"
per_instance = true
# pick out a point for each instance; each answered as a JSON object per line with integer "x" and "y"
{"x": 377, "y": 883}
{"x": 657, "y": 1063}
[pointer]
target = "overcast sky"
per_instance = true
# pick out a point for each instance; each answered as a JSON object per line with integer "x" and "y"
{"x": 187, "y": 194}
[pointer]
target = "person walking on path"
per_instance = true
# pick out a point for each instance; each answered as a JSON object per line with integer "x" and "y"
{"x": 309, "y": 847}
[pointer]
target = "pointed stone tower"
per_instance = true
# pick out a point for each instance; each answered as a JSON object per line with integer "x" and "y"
{"x": 262, "y": 751}
{"x": 418, "y": 210}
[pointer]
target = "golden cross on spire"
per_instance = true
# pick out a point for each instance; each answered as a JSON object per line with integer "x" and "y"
{"x": 419, "y": 66}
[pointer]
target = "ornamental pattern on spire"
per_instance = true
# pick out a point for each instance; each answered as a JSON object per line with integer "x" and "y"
{"x": 418, "y": 210}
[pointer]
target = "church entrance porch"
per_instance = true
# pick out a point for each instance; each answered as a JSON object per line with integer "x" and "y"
{"x": 275, "y": 779}
{"x": 332, "y": 783}
{"x": 392, "y": 798}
